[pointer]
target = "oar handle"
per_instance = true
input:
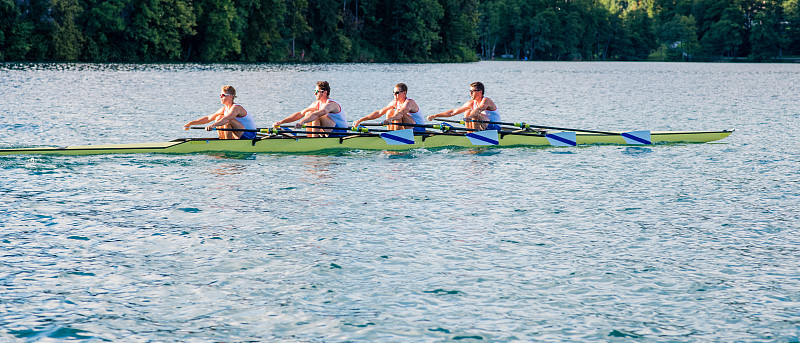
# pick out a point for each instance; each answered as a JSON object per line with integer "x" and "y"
{"x": 224, "y": 129}
{"x": 280, "y": 130}
{"x": 451, "y": 121}
{"x": 443, "y": 128}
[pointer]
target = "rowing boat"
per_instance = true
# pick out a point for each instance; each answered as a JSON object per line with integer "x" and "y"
{"x": 300, "y": 144}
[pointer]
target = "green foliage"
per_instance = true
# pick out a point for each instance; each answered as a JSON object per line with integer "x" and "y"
{"x": 104, "y": 30}
{"x": 680, "y": 35}
{"x": 387, "y": 30}
{"x": 328, "y": 44}
{"x": 157, "y": 27}
{"x": 215, "y": 40}
{"x": 458, "y": 32}
{"x": 416, "y": 28}
{"x": 14, "y": 32}
{"x": 724, "y": 37}
{"x": 261, "y": 32}
{"x": 791, "y": 10}
{"x": 636, "y": 38}
{"x": 767, "y": 40}
{"x": 67, "y": 38}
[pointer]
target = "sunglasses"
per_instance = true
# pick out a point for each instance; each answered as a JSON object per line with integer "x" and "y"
{"x": 317, "y": 91}
{"x": 222, "y": 95}
{"x": 473, "y": 91}
{"x": 395, "y": 93}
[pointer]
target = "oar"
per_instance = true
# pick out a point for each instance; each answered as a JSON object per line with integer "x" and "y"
{"x": 633, "y": 137}
{"x": 397, "y": 137}
{"x": 462, "y": 122}
{"x": 527, "y": 126}
{"x": 266, "y": 129}
{"x": 443, "y": 128}
{"x": 356, "y": 129}
{"x": 281, "y": 130}
{"x": 224, "y": 129}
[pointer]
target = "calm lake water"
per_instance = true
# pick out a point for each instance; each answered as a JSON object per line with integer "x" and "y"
{"x": 684, "y": 242}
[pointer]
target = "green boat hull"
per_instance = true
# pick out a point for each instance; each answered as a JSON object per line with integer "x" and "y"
{"x": 283, "y": 144}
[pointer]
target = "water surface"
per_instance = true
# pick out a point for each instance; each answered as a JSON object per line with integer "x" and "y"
{"x": 682, "y": 242}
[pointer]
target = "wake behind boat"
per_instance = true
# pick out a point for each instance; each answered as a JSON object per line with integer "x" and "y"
{"x": 288, "y": 141}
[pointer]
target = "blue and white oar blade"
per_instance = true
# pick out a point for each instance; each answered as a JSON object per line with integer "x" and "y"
{"x": 637, "y": 137}
{"x": 399, "y": 137}
{"x": 562, "y": 139}
{"x": 487, "y": 137}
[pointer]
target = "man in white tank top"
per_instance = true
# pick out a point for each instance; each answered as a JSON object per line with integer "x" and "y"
{"x": 478, "y": 107}
{"x": 400, "y": 110}
{"x": 322, "y": 112}
{"x": 229, "y": 116}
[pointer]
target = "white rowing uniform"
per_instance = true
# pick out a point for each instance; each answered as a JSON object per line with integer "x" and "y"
{"x": 339, "y": 118}
{"x": 416, "y": 116}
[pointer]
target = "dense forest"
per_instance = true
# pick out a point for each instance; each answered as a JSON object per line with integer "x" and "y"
{"x": 397, "y": 31}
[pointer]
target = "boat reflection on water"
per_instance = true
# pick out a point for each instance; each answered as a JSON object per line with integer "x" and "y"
{"x": 228, "y": 169}
{"x": 318, "y": 168}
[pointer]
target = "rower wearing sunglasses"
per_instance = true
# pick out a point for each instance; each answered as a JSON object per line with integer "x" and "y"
{"x": 324, "y": 111}
{"x": 478, "y": 107}
{"x": 232, "y": 117}
{"x": 401, "y": 110}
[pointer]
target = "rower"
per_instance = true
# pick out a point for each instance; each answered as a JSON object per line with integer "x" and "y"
{"x": 478, "y": 108}
{"x": 324, "y": 111}
{"x": 231, "y": 116}
{"x": 401, "y": 110}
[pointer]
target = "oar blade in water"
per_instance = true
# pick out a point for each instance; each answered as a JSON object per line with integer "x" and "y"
{"x": 487, "y": 137}
{"x": 399, "y": 137}
{"x": 637, "y": 137}
{"x": 562, "y": 139}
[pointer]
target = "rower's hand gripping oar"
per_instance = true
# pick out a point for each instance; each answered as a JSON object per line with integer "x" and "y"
{"x": 476, "y": 137}
{"x": 487, "y": 137}
{"x": 568, "y": 138}
{"x": 441, "y": 127}
{"x": 398, "y": 137}
{"x": 221, "y": 129}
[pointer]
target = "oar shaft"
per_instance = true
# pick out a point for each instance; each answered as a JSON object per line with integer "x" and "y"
{"x": 260, "y": 129}
{"x": 525, "y": 126}
{"x": 431, "y": 126}
{"x": 275, "y": 131}
{"x": 224, "y": 129}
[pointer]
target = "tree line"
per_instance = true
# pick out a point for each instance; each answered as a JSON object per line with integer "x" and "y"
{"x": 396, "y": 31}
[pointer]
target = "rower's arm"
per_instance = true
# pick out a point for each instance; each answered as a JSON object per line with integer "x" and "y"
{"x": 293, "y": 117}
{"x": 402, "y": 111}
{"x": 205, "y": 119}
{"x": 487, "y": 103}
{"x": 450, "y": 113}
{"x": 312, "y": 116}
{"x": 371, "y": 116}
{"x": 374, "y": 115}
{"x": 226, "y": 119}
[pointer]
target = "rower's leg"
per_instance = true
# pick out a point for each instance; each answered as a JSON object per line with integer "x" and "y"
{"x": 470, "y": 125}
{"x": 391, "y": 126}
{"x": 482, "y": 126}
{"x": 407, "y": 120}
{"x": 326, "y": 121}
{"x": 235, "y": 124}
{"x": 317, "y": 122}
{"x": 223, "y": 134}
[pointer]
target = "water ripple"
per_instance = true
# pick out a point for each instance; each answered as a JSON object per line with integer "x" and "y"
{"x": 675, "y": 242}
